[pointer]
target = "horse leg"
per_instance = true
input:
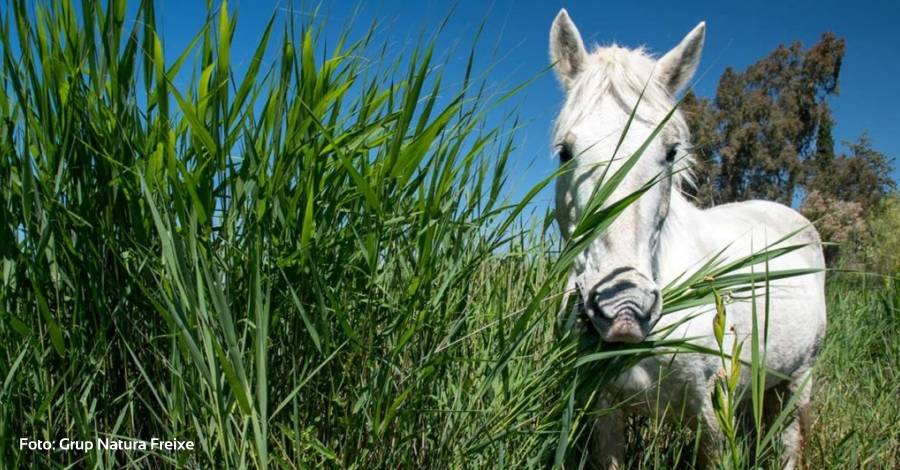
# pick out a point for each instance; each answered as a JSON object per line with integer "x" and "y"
{"x": 711, "y": 437}
{"x": 798, "y": 389}
{"x": 607, "y": 441}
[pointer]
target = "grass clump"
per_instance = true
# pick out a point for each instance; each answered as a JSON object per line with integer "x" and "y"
{"x": 308, "y": 262}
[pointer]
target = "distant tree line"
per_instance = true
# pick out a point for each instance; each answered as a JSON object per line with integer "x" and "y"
{"x": 767, "y": 134}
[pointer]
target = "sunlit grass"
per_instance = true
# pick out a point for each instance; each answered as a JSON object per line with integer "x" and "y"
{"x": 310, "y": 263}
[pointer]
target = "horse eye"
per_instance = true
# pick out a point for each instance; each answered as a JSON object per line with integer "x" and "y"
{"x": 671, "y": 153}
{"x": 565, "y": 153}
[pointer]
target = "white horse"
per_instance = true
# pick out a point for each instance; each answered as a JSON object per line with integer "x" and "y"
{"x": 619, "y": 276}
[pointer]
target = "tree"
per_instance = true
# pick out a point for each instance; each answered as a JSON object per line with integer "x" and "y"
{"x": 845, "y": 192}
{"x": 767, "y": 134}
{"x": 767, "y": 125}
{"x": 702, "y": 119}
{"x": 861, "y": 176}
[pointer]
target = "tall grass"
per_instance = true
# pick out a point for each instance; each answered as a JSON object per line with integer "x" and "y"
{"x": 855, "y": 401}
{"x": 312, "y": 262}
{"x": 307, "y": 263}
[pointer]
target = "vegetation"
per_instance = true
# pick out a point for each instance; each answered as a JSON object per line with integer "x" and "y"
{"x": 309, "y": 263}
{"x": 767, "y": 126}
{"x": 767, "y": 134}
{"x": 853, "y": 423}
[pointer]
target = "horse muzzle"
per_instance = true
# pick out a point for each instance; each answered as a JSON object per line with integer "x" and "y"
{"x": 625, "y": 310}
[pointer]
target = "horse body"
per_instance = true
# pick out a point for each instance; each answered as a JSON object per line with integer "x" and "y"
{"x": 796, "y": 318}
{"x": 662, "y": 235}
{"x": 682, "y": 383}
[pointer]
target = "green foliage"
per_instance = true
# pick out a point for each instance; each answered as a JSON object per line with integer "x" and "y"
{"x": 864, "y": 240}
{"x": 294, "y": 265}
{"x": 854, "y": 423}
{"x": 882, "y": 246}
{"x": 862, "y": 176}
{"x": 768, "y": 135}
{"x": 758, "y": 138}
{"x": 725, "y": 392}
{"x": 842, "y": 223}
{"x": 310, "y": 263}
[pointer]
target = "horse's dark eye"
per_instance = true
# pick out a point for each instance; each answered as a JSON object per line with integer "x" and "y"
{"x": 565, "y": 153}
{"x": 671, "y": 153}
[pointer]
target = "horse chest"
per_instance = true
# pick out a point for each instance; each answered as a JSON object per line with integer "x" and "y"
{"x": 656, "y": 383}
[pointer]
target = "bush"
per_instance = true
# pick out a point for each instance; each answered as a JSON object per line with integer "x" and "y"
{"x": 882, "y": 247}
{"x": 838, "y": 222}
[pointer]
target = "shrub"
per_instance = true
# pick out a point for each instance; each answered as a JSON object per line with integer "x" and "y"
{"x": 838, "y": 222}
{"x": 882, "y": 246}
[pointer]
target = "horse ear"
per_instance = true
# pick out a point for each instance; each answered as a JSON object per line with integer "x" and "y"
{"x": 566, "y": 48}
{"x": 677, "y": 67}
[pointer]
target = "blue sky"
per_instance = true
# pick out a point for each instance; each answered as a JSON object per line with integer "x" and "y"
{"x": 515, "y": 44}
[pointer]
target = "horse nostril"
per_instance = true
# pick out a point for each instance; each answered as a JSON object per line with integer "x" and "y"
{"x": 648, "y": 304}
{"x": 593, "y": 306}
{"x": 634, "y": 297}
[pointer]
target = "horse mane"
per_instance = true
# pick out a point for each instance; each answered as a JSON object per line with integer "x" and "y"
{"x": 625, "y": 74}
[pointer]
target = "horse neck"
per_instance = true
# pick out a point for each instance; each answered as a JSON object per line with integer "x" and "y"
{"x": 681, "y": 240}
